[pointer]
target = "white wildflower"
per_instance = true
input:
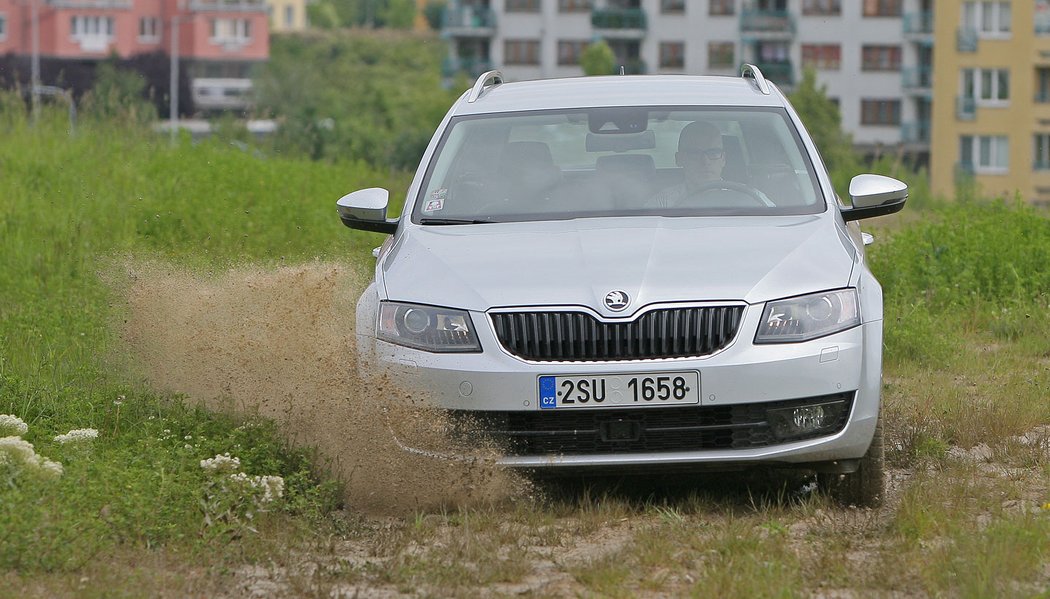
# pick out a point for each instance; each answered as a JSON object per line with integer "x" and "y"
{"x": 12, "y": 425}
{"x": 77, "y": 435}
{"x": 187, "y": 446}
{"x": 119, "y": 401}
{"x": 19, "y": 452}
{"x": 187, "y": 438}
{"x": 272, "y": 488}
{"x": 221, "y": 463}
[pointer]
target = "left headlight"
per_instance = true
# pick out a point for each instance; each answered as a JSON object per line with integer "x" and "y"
{"x": 809, "y": 316}
{"x": 427, "y": 327}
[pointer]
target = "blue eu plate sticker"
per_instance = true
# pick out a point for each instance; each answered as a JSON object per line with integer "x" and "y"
{"x": 548, "y": 393}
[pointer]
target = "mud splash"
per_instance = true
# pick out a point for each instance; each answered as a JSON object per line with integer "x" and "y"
{"x": 279, "y": 342}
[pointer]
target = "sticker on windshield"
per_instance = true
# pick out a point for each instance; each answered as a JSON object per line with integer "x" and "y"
{"x": 436, "y": 201}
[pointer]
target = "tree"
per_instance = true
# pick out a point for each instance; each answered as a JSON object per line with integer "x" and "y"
{"x": 823, "y": 120}
{"x": 598, "y": 59}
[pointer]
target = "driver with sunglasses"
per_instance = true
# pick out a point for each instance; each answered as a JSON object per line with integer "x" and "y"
{"x": 701, "y": 157}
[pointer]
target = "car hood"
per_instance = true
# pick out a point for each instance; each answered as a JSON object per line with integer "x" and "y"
{"x": 652, "y": 259}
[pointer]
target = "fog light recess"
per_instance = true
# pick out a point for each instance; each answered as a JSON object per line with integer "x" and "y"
{"x": 804, "y": 421}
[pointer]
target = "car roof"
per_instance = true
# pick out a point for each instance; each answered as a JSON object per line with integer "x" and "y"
{"x": 618, "y": 90}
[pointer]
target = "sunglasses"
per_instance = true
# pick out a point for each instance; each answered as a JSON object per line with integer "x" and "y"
{"x": 710, "y": 153}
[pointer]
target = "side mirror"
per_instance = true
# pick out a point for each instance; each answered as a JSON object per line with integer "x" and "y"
{"x": 366, "y": 210}
{"x": 874, "y": 195}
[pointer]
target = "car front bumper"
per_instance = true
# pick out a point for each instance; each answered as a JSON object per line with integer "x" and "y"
{"x": 742, "y": 373}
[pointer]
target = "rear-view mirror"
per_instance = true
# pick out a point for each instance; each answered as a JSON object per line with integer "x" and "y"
{"x": 366, "y": 210}
{"x": 874, "y": 195}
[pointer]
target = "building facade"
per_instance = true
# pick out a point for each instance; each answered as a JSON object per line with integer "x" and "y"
{"x": 993, "y": 87}
{"x": 874, "y": 56}
{"x": 287, "y": 15}
{"x": 218, "y": 41}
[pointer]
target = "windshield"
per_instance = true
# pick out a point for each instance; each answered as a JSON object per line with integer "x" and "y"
{"x": 618, "y": 162}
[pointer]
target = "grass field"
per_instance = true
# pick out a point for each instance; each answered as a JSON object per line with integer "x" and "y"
{"x": 98, "y": 227}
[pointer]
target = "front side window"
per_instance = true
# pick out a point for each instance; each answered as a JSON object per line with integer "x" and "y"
{"x": 985, "y": 154}
{"x": 882, "y": 8}
{"x": 822, "y": 56}
{"x": 881, "y": 58}
{"x": 880, "y": 112}
{"x": 987, "y": 87}
{"x": 523, "y": 6}
{"x": 601, "y": 162}
{"x": 988, "y": 19}
{"x": 720, "y": 55}
{"x": 822, "y": 7}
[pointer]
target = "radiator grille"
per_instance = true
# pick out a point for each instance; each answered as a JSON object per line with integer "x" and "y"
{"x": 578, "y": 336}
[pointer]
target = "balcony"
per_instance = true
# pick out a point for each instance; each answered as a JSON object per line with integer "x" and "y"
{"x": 781, "y": 73}
{"x": 916, "y": 132}
{"x": 468, "y": 21}
{"x": 472, "y": 67}
{"x": 766, "y": 24}
{"x": 965, "y": 108}
{"x": 619, "y": 23}
{"x": 917, "y": 80}
{"x": 919, "y": 24}
{"x": 966, "y": 40}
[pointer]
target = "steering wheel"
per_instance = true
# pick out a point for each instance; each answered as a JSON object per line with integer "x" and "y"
{"x": 752, "y": 194}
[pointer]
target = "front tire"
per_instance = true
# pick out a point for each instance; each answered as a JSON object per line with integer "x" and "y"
{"x": 867, "y": 486}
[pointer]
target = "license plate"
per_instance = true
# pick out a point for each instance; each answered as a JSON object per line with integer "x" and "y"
{"x": 619, "y": 390}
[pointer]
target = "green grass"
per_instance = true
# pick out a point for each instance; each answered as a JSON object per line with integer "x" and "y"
{"x": 967, "y": 368}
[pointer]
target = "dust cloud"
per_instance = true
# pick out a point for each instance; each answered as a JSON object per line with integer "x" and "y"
{"x": 279, "y": 342}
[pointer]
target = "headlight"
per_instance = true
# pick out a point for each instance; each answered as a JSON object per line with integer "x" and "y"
{"x": 427, "y": 328}
{"x": 808, "y": 317}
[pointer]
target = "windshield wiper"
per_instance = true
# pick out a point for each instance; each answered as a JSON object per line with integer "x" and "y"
{"x": 452, "y": 221}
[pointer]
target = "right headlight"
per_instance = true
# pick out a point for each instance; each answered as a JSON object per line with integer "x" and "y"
{"x": 427, "y": 327}
{"x": 809, "y": 316}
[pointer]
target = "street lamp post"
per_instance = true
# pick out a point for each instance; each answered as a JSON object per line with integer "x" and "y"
{"x": 35, "y": 60}
{"x": 173, "y": 110}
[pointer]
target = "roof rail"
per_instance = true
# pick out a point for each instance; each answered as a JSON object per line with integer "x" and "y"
{"x": 480, "y": 85}
{"x": 756, "y": 73}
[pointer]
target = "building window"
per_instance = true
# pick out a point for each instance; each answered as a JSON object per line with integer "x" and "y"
{"x": 831, "y": 8}
{"x": 81, "y": 26}
{"x": 988, "y": 19}
{"x": 882, "y": 8}
{"x": 569, "y": 51}
{"x": 672, "y": 55}
{"x": 722, "y": 7}
{"x": 985, "y": 154}
{"x": 289, "y": 16}
{"x": 881, "y": 58}
{"x": 149, "y": 29}
{"x": 3, "y": 27}
{"x": 574, "y": 5}
{"x": 1042, "y": 152}
{"x": 880, "y": 112}
{"x": 230, "y": 31}
{"x": 826, "y": 57}
{"x": 522, "y": 6}
{"x": 720, "y": 55}
{"x": 986, "y": 86}
{"x": 1042, "y": 17}
{"x": 672, "y": 6}
{"x": 524, "y": 52}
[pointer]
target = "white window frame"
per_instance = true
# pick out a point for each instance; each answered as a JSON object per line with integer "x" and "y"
{"x": 983, "y": 86}
{"x": 227, "y": 31}
{"x": 989, "y": 18}
{"x": 3, "y": 26}
{"x": 149, "y": 30}
{"x": 990, "y": 154}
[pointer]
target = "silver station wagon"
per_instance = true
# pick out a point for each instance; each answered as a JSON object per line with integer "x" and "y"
{"x": 634, "y": 273}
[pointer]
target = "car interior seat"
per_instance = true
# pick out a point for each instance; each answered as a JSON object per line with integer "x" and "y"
{"x": 527, "y": 173}
{"x": 628, "y": 178}
{"x": 736, "y": 167}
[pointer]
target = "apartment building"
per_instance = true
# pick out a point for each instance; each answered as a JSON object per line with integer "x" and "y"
{"x": 287, "y": 15}
{"x": 874, "y": 56}
{"x": 218, "y": 40}
{"x": 993, "y": 87}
